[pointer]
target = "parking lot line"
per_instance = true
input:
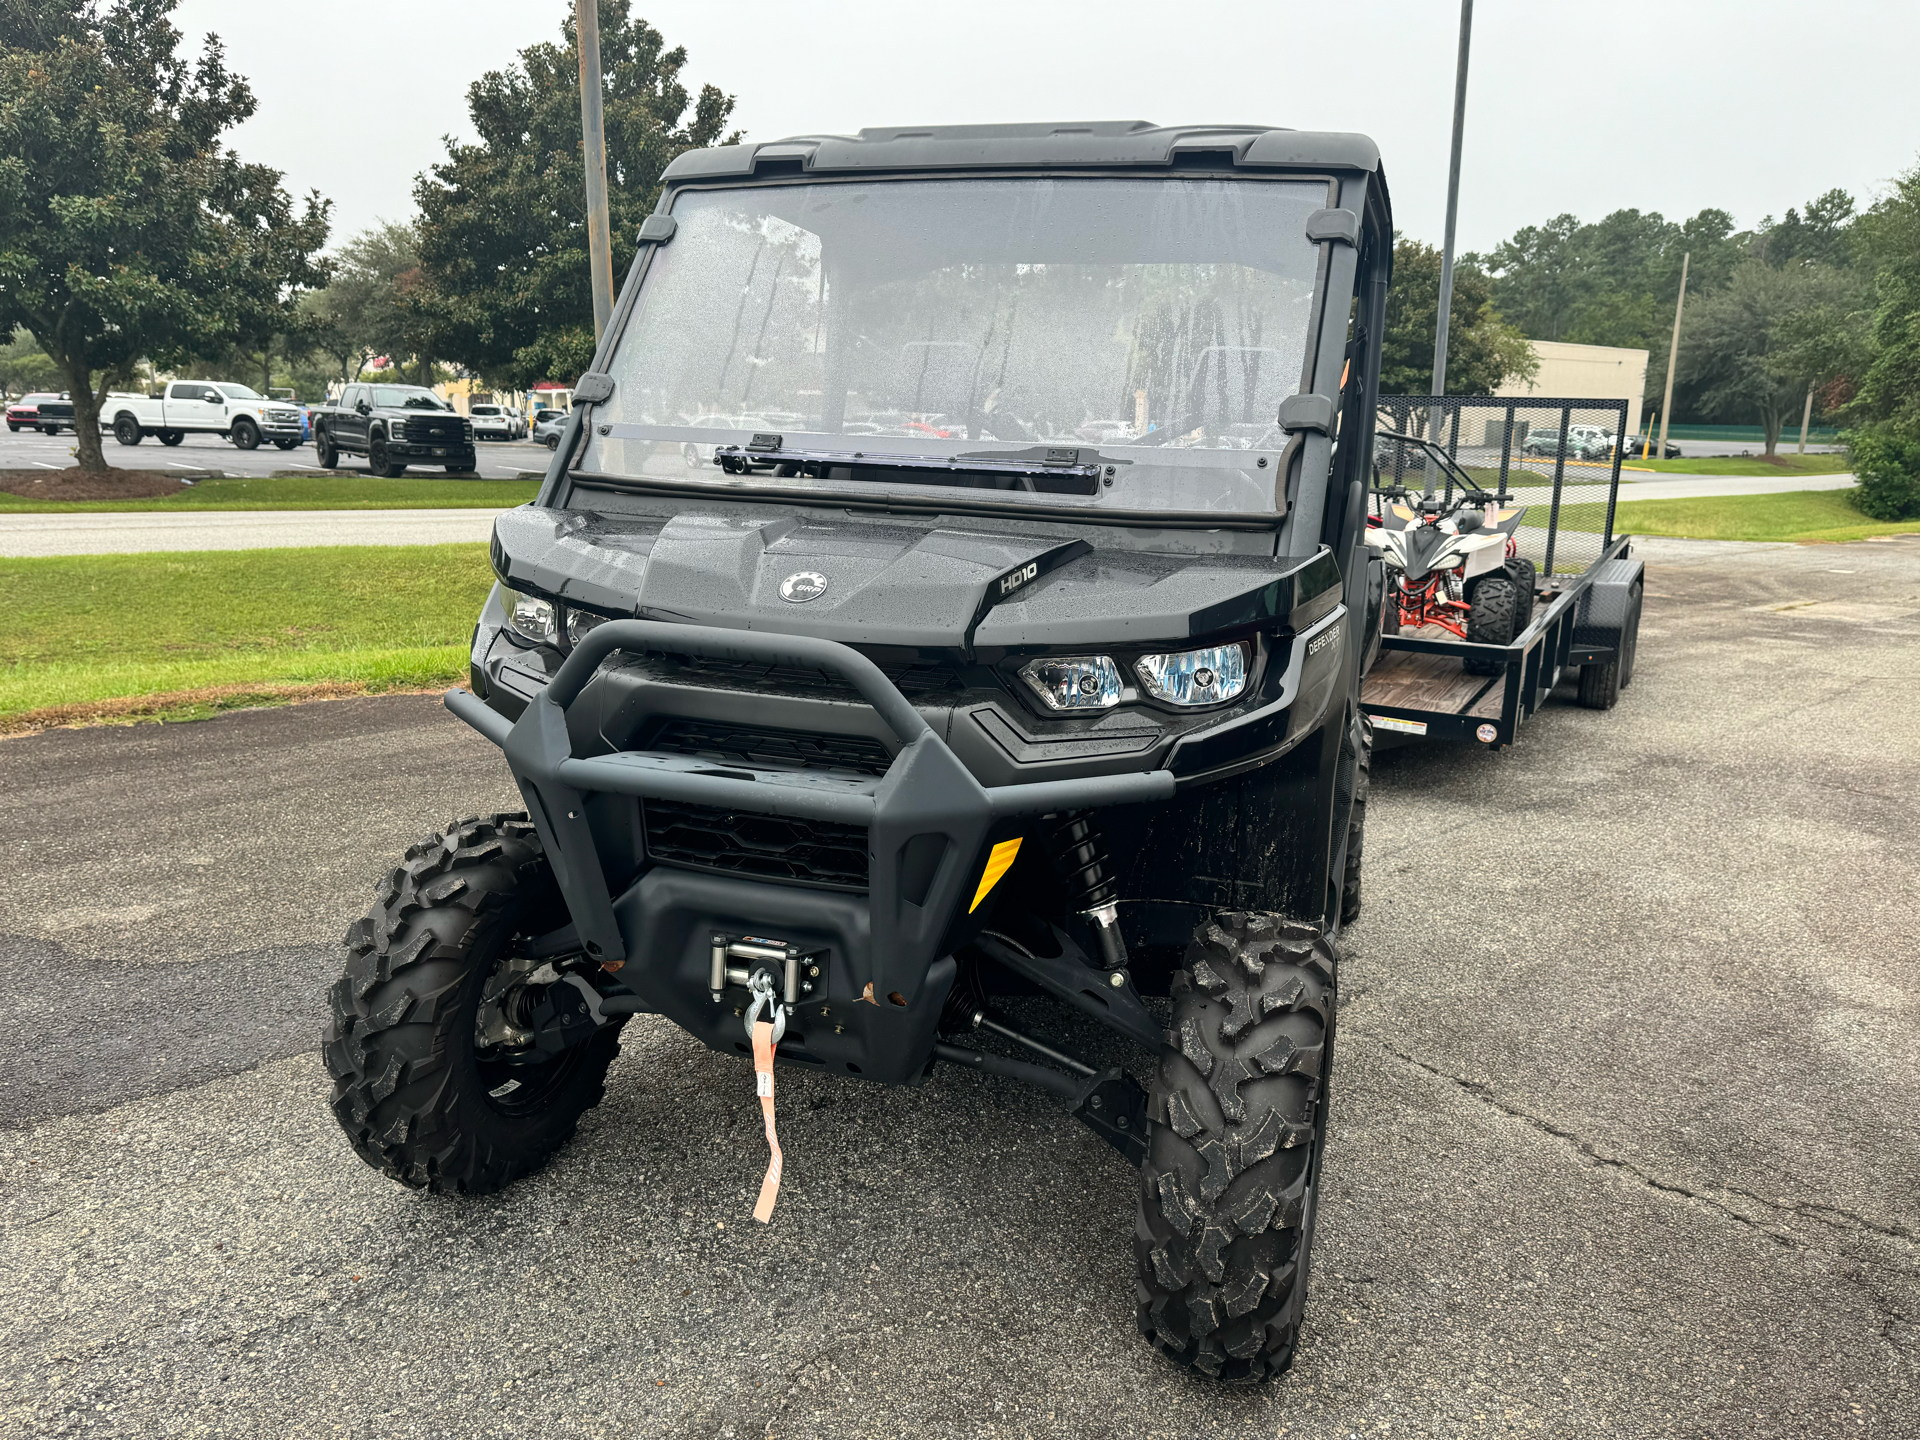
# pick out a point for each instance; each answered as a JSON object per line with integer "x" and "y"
{"x": 44, "y": 466}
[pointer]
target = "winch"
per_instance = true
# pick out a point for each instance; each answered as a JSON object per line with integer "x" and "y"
{"x": 796, "y": 972}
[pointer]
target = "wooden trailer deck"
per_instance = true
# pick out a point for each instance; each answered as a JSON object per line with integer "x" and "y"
{"x": 1410, "y": 680}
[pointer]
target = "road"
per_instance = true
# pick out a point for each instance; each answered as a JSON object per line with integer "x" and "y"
{"x": 91, "y": 533}
{"x": 28, "y": 450}
{"x": 127, "y": 532}
{"x": 1623, "y": 1140}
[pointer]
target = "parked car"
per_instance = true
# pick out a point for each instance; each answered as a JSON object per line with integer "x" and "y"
{"x": 491, "y": 422}
{"x": 1636, "y": 444}
{"x": 1584, "y": 442}
{"x": 24, "y": 413}
{"x": 56, "y": 414}
{"x": 547, "y": 427}
{"x": 394, "y": 426}
{"x": 206, "y": 407}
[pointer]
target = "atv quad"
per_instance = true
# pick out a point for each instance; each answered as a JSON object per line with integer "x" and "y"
{"x": 1005, "y": 639}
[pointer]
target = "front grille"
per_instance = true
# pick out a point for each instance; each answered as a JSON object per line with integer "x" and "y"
{"x": 433, "y": 432}
{"x": 915, "y": 679}
{"x": 765, "y": 748}
{"x": 785, "y": 848}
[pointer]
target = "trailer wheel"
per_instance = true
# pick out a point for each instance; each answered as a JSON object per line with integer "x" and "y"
{"x": 126, "y": 430}
{"x": 1238, "y": 1113}
{"x": 170, "y": 437}
{"x": 1601, "y": 683}
{"x": 1493, "y": 618}
{"x": 1356, "y": 822}
{"x": 421, "y": 1094}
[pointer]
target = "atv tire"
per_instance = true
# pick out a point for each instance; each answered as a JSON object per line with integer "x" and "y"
{"x": 1238, "y": 1111}
{"x": 418, "y": 1096}
{"x": 1493, "y": 618}
{"x": 1521, "y": 571}
{"x": 1356, "y": 823}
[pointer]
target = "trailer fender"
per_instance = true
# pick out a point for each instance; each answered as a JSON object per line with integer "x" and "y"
{"x": 1604, "y": 603}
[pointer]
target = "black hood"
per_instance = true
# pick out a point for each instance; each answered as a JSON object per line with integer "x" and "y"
{"x": 934, "y": 585}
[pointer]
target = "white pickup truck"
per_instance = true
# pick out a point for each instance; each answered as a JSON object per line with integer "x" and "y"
{"x": 240, "y": 413}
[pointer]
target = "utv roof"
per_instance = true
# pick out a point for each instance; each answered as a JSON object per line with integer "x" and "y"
{"x": 1101, "y": 142}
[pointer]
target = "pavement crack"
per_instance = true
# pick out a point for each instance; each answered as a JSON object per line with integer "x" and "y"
{"x": 1835, "y": 1217}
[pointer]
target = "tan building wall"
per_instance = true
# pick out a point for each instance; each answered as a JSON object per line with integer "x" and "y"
{"x": 1605, "y": 372}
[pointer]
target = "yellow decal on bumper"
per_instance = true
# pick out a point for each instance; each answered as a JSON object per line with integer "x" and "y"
{"x": 998, "y": 860}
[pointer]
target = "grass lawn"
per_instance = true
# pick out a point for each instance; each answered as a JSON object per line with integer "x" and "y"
{"x": 193, "y": 631}
{"x": 1789, "y": 515}
{"x": 1836, "y": 464}
{"x": 319, "y": 492}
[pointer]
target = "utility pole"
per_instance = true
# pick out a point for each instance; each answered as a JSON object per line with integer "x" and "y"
{"x": 1674, "y": 353}
{"x": 1439, "y": 385}
{"x": 593, "y": 151}
{"x": 1807, "y": 413}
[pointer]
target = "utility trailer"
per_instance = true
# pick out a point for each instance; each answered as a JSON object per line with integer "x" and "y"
{"x": 1559, "y": 458}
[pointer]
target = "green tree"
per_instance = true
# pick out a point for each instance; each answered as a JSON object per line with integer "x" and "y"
{"x": 1757, "y": 345}
{"x": 1820, "y": 236}
{"x": 1482, "y": 348}
{"x": 1611, "y": 282}
{"x": 377, "y": 303}
{"x": 127, "y": 229}
{"x": 503, "y": 235}
{"x": 1884, "y": 415}
{"x": 24, "y": 366}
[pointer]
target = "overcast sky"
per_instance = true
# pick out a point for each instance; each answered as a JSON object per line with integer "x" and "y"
{"x": 1667, "y": 105}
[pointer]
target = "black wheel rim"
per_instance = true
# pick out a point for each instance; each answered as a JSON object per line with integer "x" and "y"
{"x": 513, "y": 1080}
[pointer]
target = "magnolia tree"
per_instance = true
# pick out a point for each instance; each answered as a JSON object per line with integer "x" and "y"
{"x": 127, "y": 229}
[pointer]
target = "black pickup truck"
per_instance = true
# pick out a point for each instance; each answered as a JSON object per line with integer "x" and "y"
{"x": 394, "y": 426}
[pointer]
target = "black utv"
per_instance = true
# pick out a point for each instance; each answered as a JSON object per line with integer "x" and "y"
{"x": 1003, "y": 637}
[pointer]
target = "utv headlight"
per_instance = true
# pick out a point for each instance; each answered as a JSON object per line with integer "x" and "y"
{"x": 579, "y": 622}
{"x": 532, "y": 618}
{"x": 1077, "y": 682}
{"x": 1195, "y": 677}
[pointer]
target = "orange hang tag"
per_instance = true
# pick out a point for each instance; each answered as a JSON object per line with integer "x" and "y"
{"x": 764, "y": 1088}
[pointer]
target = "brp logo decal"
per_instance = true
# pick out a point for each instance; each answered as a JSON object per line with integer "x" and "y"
{"x": 803, "y": 586}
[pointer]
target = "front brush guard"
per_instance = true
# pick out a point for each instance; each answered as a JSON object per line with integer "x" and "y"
{"x": 926, "y": 791}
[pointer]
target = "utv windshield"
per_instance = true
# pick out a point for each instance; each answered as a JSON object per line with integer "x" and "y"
{"x": 1119, "y": 343}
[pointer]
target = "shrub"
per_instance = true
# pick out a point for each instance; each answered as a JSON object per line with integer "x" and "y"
{"x": 1886, "y": 456}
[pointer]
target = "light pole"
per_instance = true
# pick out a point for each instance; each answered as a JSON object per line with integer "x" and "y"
{"x": 1439, "y": 385}
{"x": 593, "y": 152}
{"x": 1674, "y": 351}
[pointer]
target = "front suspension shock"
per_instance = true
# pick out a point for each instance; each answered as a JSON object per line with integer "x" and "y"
{"x": 1079, "y": 853}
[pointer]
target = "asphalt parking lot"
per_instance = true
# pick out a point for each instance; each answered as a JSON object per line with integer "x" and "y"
{"x": 28, "y": 450}
{"x": 1624, "y": 1138}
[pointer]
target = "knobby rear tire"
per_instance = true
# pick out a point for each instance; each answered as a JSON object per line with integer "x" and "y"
{"x": 409, "y": 1086}
{"x": 1238, "y": 1115}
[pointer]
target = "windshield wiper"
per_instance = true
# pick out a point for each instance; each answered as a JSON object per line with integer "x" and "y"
{"x": 1056, "y": 471}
